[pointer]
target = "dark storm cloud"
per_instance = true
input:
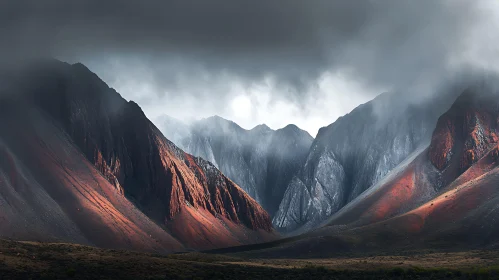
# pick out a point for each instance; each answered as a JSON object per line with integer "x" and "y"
{"x": 387, "y": 43}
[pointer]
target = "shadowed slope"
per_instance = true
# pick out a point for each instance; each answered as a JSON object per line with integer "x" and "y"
{"x": 102, "y": 150}
{"x": 50, "y": 192}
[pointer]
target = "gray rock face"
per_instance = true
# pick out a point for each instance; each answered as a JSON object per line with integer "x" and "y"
{"x": 262, "y": 161}
{"x": 354, "y": 153}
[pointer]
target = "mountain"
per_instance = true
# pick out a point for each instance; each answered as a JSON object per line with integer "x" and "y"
{"x": 451, "y": 177}
{"x": 354, "y": 153}
{"x": 443, "y": 196}
{"x": 81, "y": 164}
{"x": 261, "y": 160}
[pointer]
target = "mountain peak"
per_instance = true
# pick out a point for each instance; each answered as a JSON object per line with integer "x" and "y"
{"x": 80, "y": 65}
{"x": 217, "y": 118}
{"x": 262, "y": 128}
{"x": 292, "y": 128}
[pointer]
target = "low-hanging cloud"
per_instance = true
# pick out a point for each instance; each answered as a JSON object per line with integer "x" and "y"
{"x": 304, "y": 57}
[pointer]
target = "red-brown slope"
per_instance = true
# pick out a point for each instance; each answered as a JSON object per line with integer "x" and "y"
{"x": 135, "y": 158}
{"x": 464, "y": 133}
{"x": 50, "y": 192}
{"x": 468, "y": 193}
{"x": 462, "y": 216}
{"x": 407, "y": 186}
{"x": 462, "y": 137}
{"x": 468, "y": 171}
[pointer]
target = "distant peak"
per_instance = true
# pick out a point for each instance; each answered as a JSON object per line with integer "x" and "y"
{"x": 217, "y": 118}
{"x": 292, "y": 128}
{"x": 262, "y": 127}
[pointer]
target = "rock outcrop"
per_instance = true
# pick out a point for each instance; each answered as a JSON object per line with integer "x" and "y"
{"x": 353, "y": 154}
{"x": 465, "y": 133}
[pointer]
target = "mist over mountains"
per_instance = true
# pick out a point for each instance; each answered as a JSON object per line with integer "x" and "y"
{"x": 261, "y": 160}
{"x": 283, "y": 139}
{"x": 81, "y": 164}
{"x": 347, "y": 157}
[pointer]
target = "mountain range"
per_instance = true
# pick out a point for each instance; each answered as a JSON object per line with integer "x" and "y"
{"x": 323, "y": 174}
{"x": 81, "y": 164}
{"x": 443, "y": 196}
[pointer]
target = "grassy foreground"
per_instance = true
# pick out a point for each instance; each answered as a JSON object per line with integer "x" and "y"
{"x": 28, "y": 260}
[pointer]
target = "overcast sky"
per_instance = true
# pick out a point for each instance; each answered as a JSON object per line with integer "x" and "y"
{"x": 259, "y": 61}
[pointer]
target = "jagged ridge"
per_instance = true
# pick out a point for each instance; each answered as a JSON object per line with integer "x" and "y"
{"x": 262, "y": 161}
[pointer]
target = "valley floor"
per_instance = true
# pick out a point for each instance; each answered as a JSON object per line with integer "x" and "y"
{"x": 29, "y": 260}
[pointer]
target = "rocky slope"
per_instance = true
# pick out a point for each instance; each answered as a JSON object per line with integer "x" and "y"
{"x": 354, "y": 153}
{"x": 443, "y": 196}
{"x": 81, "y": 164}
{"x": 261, "y": 160}
{"x": 449, "y": 187}
{"x": 463, "y": 147}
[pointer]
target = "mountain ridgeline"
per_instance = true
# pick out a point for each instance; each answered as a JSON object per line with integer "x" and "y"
{"x": 81, "y": 164}
{"x": 315, "y": 178}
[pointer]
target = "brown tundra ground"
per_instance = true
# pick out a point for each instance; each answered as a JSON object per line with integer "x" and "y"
{"x": 30, "y": 260}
